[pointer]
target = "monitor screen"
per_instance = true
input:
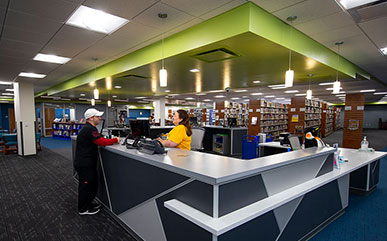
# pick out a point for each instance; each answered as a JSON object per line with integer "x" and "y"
{"x": 140, "y": 128}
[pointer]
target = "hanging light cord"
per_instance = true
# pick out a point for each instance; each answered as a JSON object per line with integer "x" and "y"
{"x": 290, "y": 45}
{"x": 162, "y": 46}
{"x": 338, "y": 62}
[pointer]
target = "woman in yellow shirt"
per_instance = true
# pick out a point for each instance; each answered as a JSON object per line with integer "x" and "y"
{"x": 180, "y": 135}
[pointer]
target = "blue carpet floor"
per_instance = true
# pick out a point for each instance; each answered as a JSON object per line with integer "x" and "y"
{"x": 365, "y": 218}
{"x": 52, "y": 143}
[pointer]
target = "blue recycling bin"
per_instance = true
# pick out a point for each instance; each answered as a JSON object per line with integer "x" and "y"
{"x": 269, "y": 138}
{"x": 249, "y": 147}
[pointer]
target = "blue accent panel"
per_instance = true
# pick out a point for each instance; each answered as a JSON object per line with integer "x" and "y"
{"x": 4, "y": 124}
{"x": 58, "y": 113}
{"x": 134, "y": 113}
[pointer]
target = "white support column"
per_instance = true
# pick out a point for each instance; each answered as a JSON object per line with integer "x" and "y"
{"x": 25, "y": 118}
{"x": 160, "y": 110}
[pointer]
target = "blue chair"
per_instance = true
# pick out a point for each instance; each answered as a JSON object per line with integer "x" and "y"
{"x": 10, "y": 143}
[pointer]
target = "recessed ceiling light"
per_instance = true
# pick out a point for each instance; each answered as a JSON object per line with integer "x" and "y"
{"x": 189, "y": 98}
{"x": 348, "y": 4}
{"x": 219, "y": 96}
{"x": 332, "y": 88}
{"x": 341, "y": 92}
{"x": 384, "y": 50}
{"x": 96, "y": 20}
{"x": 140, "y": 97}
{"x": 302, "y": 94}
{"x": 326, "y": 83}
{"x": 245, "y": 96}
{"x": 235, "y": 98}
{"x": 118, "y": 86}
{"x": 342, "y": 95}
{"x": 256, "y": 81}
{"x": 380, "y": 93}
{"x": 291, "y": 91}
{"x": 167, "y": 91}
{"x": 201, "y": 94}
{"x": 246, "y": 100}
{"x": 7, "y": 97}
{"x": 32, "y": 75}
{"x": 279, "y": 98}
{"x": 278, "y": 88}
{"x": 239, "y": 91}
{"x": 365, "y": 91}
{"x": 6, "y": 83}
{"x": 194, "y": 70}
{"x": 82, "y": 94}
{"x": 256, "y": 94}
{"x": 207, "y": 100}
{"x": 275, "y": 86}
{"x": 14, "y": 90}
{"x": 7, "y": 94}
{"x": 215, "y": 91}
{"x": 174, "y": 94}
{"x": 50, "y": 58}
{"x": 114, "y": 96}
{"x": 269, "y": 96}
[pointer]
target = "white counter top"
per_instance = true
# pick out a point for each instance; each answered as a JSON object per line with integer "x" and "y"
{"x": 215, "y": 169}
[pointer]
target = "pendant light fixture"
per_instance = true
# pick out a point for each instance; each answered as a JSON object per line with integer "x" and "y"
{"x": 96, "y": 91}
{"x": 289, "y": 75}
{"x": 336, "y": 84}
{"x": 109, "y": 103}
{"x": 108, "y": 88}
{"x": 93, "y": 102}
{"x": 163, "y": 72}
{"x": 309, "y": 91}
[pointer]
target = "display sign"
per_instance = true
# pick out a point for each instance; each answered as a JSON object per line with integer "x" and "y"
{"x": 302, "y": 109}
{"x": 250, "y": 110}
{"x": 222, "y": 111}
{"x": 348, "y": 107}
{"x": 258, "y": 110}
{"x": 360, "y": 107}
{"x": 216, "y": 111}
{"x": 254, "y": 120}
{"x": 353, "y": 125}
{"x": 292, "y": 109}
{"x": 294, "y": 118}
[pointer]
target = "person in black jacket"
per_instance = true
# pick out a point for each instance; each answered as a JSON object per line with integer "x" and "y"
{"x": 85, "y": 162}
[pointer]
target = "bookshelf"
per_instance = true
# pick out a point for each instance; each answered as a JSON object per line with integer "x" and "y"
{"x": 327, "y": 120}
{"x": 336, "y": 117}
{"x": 64, "y": 130}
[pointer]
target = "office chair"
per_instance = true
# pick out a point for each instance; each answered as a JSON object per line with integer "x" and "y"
{"x": 197, "y": 139}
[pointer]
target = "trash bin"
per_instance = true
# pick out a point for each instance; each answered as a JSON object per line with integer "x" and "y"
{"x": 249, "y": 147}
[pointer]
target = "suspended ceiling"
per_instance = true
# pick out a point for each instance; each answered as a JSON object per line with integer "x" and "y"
{"x": 30, "y": 28}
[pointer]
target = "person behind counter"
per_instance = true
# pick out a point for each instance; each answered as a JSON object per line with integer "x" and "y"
{"x": 85, "y": 162}
{"x": 180, "y": 135}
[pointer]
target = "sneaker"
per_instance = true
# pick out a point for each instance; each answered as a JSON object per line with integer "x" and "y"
{"x": 90, "y": 211}
{"x": 95, "y": 205}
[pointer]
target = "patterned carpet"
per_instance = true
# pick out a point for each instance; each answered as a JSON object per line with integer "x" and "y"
{"x": 38, "y": 202}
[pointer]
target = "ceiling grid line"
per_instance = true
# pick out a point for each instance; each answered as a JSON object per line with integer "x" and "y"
{"x": 5, "y": 18}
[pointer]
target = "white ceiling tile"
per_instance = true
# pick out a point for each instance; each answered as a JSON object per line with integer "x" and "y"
{"x": 32, "y": 23}
{"x": 376, "y": 30}
{"x": 18, "y": 49}
{"x": 57, "y": 10}
{"x": 123, "y": 8}
{"x": 308, "y": 10}
{"x": 274, "y": 5}
{"x": 222, "y": 9}
{"x": 199, "y": 8}
{"x": 70, "y": 41}
{"x": 150, "y": 17}
{"x": 326, "y": 23}
{"x": 329, "y": 38}
{"x": 25, "y": 35}
{"x": 184, "y": 26}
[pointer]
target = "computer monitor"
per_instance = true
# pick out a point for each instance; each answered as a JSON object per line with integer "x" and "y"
{"x": 231, "y": 121}
{"x": 140, "y": 128}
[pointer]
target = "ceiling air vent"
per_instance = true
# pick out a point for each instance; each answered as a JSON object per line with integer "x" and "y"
{"x": 216, "y": 55}
{"x": 370, "y": 11}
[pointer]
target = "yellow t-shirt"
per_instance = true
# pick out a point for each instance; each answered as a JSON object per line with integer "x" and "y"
{"x": 179, "y": 135}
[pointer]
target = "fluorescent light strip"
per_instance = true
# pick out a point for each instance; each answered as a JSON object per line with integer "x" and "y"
{"x": 235, "y": 98}
{"x": 7, "y": 97}
{"x": 332, "y": 88}
{"x": 207, "y": 100}
{"x": 279, "y": 98}
{"x": 256, "y": 94}
{"x": 14, "y": 90}
{"x": 240, "y": 91}
{"x": 189, "y": 98}
{"x": 366, "y": 91}
{"x": 117, "y": 86}
{"x": 219, "y": 96}
{"x": 349, "y": 4}
{"x": 200, "y": 94}
{"x": 7, "y": 94}
{"x": 6, "y": 83}
{"x": 32, "y": 75}
{"x": 384, "y": 50}
{"x": 275, "y": 86}
{"x": 326, "y": 83}
{"x": 194, "y": 70}
{"x": 270, "y": 96}
{"x": 380, "y": 93}
{"x": 291, "y": 91}
{"x": 50, "y": 58}
{"x": 256, "y": 81}
{"x": 215, "y": 91}
{"x": 302, "y": 94}
{"x": 96, "y": 20}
